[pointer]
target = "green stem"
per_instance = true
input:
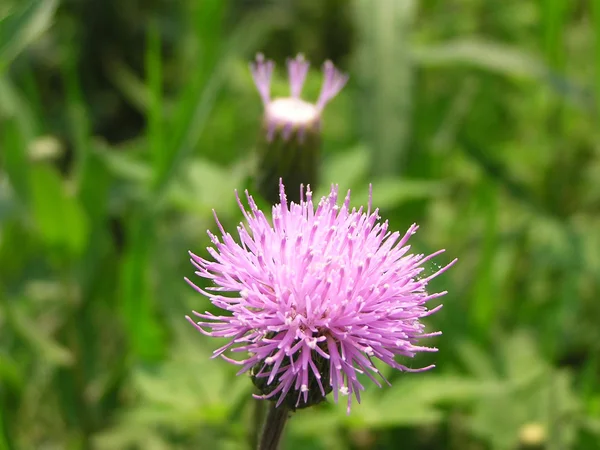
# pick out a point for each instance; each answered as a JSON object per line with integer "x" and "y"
{"x": 258, "y": 419}
{"x": 273, "y": 428}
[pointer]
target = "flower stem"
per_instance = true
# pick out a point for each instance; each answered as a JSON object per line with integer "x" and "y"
{"x": 259, "y": 411}
{"x": 273, "y": 428}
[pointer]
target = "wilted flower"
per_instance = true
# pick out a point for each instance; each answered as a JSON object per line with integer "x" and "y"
{"x": 315, "y": 296}
{"x": 289, "y": 146}
{"x": 291, "y": 115}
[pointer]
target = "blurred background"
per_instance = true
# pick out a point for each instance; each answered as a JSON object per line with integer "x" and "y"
{"x": 124, "y": 122}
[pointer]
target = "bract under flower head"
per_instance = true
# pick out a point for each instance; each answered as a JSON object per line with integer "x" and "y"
{"x": 314, "y": 296}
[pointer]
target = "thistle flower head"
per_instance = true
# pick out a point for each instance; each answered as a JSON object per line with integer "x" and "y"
{"x": 314, "y": 296}
{"x": 292, "y": 114}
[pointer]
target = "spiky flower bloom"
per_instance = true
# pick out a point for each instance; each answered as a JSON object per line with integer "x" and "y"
{"x": 289, "y": 146}
{"x": 314, "y": 296}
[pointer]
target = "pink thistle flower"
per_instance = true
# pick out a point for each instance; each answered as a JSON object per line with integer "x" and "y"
{"x": 314, "y": 296}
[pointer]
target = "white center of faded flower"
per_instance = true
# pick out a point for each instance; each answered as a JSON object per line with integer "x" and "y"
{"x": 293, "y": 111}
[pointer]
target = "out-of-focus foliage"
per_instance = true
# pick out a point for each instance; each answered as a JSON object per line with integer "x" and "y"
{"x": 124, "y": 123}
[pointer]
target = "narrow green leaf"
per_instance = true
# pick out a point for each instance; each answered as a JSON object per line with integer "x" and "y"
{"x": 14, "y": 107}
{"x": 137, "y": 296}
{"x": 20, "y": 29}
{"x": 485, "y": 54}
{"x": 158, "y": 151}
{"x": 483, "y": 307}
{"x": 78, "y": 122}
{"x": 385, "y": 73}
{"x": 554, "y": 15}
{"x": 391, "y": 192}
{"x": 595, "y": 6}
{"x": 60, "y": 220}
{"x": 14, "y": 158}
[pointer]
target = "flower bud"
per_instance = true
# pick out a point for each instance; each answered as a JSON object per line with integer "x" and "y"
{"x": 290, "y": 142}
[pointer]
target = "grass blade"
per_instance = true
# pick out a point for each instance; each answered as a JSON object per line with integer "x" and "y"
{"x": 384, "y": 71}
{"x": 19, "y": 30}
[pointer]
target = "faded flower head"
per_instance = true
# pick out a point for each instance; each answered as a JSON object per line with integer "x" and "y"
{"x": 289, "y": 146}
{"x": 313, "y": 297}
{"x": 292, "y": 114}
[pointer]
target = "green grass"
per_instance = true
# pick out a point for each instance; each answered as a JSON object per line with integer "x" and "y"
{"x": 123, "y": 125}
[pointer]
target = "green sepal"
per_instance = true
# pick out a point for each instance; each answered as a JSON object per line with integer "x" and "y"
{"x": 315, "y": 396}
